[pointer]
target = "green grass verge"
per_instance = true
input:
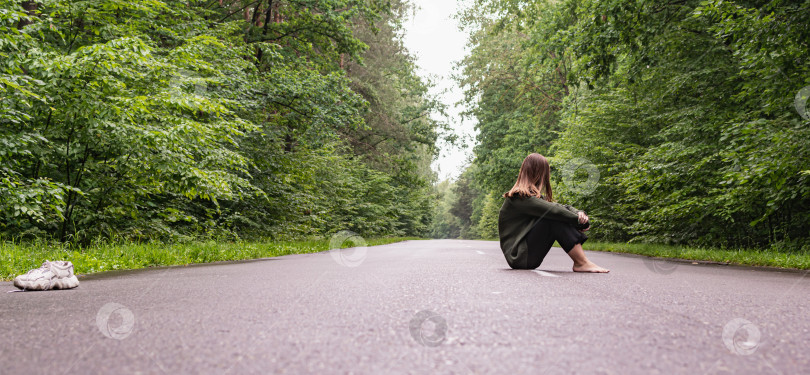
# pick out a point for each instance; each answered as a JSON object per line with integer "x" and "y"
{"x": 18, "y": 258}
{"x": 746, "y": 257}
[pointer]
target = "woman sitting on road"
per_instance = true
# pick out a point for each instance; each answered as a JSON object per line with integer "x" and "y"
{"x": 530, "y": 221}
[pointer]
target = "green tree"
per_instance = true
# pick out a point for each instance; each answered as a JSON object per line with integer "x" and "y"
{"x": 174, "y": 119}
{"x": 685, "y": 108}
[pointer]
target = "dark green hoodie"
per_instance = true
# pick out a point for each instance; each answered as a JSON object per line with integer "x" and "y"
{"x": 517, "y": 218}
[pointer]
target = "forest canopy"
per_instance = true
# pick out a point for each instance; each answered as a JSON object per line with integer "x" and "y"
{"x": 676, "y": 122}
{"x": 170, "y": 120}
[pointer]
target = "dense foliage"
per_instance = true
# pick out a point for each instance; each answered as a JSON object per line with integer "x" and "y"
{"x": 671, "y": 122}
{"x": 175, "y": 119}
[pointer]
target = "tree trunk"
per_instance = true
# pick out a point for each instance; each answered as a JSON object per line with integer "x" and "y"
{"x": 30, "y": 8}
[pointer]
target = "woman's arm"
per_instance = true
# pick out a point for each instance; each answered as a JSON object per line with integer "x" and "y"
{"x": 540, "y": 207}
{"x": 584, "y": 221}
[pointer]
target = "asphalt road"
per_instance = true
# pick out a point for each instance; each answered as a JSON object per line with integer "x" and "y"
{"x": 416, "y": 307}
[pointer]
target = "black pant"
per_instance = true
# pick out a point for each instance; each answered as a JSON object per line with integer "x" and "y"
{"x": 543, "y": 235}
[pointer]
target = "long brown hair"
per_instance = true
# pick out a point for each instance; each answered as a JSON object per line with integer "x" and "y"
{"x": 533, "y": 179}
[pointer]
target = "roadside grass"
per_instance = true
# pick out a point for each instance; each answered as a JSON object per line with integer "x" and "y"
{"x": 18, "y": 258}
{"x": 781, "y": 258}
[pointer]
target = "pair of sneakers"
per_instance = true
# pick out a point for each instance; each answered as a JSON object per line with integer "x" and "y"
{"x": 52, "y": 275}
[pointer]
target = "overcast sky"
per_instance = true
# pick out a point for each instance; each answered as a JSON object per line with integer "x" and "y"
{"x": 433, "y": 37}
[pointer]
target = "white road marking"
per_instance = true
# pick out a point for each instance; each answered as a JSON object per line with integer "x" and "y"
{"x": 480, "y": 252}
{"x": 544, "y": 273}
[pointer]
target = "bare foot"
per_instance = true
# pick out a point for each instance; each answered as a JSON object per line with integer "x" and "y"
{"x": 590, "y": 267}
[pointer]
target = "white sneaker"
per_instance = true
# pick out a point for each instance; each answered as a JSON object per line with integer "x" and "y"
{"x": 52, "y": 275}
